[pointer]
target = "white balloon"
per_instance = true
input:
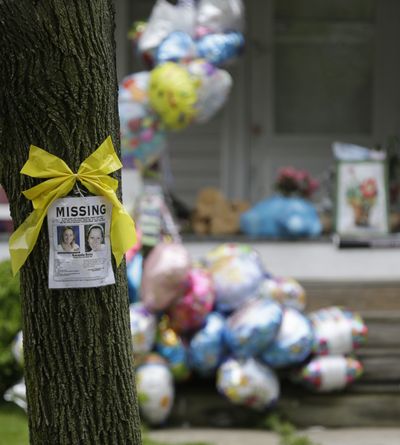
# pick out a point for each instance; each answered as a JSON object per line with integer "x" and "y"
{"x": 248, "y": 382}
{"x": 155, "y": 392}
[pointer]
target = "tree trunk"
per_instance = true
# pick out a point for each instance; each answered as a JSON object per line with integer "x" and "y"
{"x": 59, "y": 92}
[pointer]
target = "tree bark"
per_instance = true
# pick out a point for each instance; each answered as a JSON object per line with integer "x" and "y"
{"x": 59, "y": 92}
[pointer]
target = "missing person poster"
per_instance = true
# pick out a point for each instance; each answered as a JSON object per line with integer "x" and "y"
{"x": 79, "y": 236}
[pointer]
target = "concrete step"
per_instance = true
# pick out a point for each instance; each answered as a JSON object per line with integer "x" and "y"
{"x": 346, "y": 436}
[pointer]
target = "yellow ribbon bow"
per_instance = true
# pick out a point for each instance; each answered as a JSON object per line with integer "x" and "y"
{"x": 93, "y": 174}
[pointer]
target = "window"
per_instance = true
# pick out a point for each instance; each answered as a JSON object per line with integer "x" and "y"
{"x": 323, "y": 66}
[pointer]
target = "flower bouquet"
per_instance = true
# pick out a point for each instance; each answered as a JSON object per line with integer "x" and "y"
{"x": 361, "y": 196}
{"x": 291, "y": 181}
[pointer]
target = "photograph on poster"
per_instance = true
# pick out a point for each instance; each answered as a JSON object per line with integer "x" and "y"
{"x": 68, "y": 239}
{"x": 94, "y": 236}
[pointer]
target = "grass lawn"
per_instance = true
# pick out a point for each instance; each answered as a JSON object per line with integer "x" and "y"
{"x": 14, "y": 427}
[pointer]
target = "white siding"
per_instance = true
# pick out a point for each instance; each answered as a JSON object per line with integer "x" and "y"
{"x": 195, "y": 155}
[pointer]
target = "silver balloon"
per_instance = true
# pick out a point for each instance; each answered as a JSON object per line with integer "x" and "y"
{"x": 248, "y": 382}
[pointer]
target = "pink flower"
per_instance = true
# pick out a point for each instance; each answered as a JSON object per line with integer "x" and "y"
{"x": 286, "y": 172}
{"x": 292, "y": 181}
{"x": 301, "y": 175}
{"x": 369, "y": 188}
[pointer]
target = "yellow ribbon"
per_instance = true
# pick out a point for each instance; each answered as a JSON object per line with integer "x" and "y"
{"x": 93, "y": 174}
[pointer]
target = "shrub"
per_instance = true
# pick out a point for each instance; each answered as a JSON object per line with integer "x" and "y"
{"x": 10, "y": 324}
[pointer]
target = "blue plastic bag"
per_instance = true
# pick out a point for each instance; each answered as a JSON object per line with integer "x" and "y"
{"x": 281, "y": 217}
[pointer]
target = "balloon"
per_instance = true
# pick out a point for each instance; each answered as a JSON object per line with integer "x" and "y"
{"x": 173, "y": 95}
{"x": 215, "y": 16}
{"x": 142, "y": 136}
{"x": 17, "y": 394}
{"x": 225, "y": 250}
{"x": 337, "y": 331}
{"x": 189, "y": 312}
{"x": 133, "y": 88}
{"x": 155, "y": 391}
{"x": 165, "y": 275}
{"x": 176, "y": 47}
{"x": 130, "y": 254}
{"x": 170, "y": 346}
{"x": 213, "y": 90}
{"x": 294, "y": 341}
{"x": 166, "y": 18}
{"x": 134, "y": 275}
{"x": 286, "y": 291}
{"x": 135, "y": 34}
{"x": 248, "y": 382}
{"x": 220, "y": 49}
{"x": 206, "y": 348}
{"x": 143, "y": 326}
{"x": 17, "y": 348}
{"x": 237, "y": 273}
{"x": 329, "y": 373}
{"x": 136, "y": 30}
{"x": 252, "y": 328}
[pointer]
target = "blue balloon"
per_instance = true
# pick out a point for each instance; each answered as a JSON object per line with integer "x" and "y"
{"x": 252, "y": 328}
{"x": 294, "y": 341}
{"x": 206, "y": 349}
{"x": 176, "y": 47}
{"x": 134, "y": 275}
{"x": 176, "y": 354}
{"x": 220, "y": 48}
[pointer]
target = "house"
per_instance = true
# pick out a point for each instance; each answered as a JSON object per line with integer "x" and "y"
{"x": 313, "y": 72}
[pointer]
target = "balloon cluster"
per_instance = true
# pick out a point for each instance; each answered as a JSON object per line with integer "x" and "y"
{"x": 184, "y": 46}
{"x": 225, "y": 316}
